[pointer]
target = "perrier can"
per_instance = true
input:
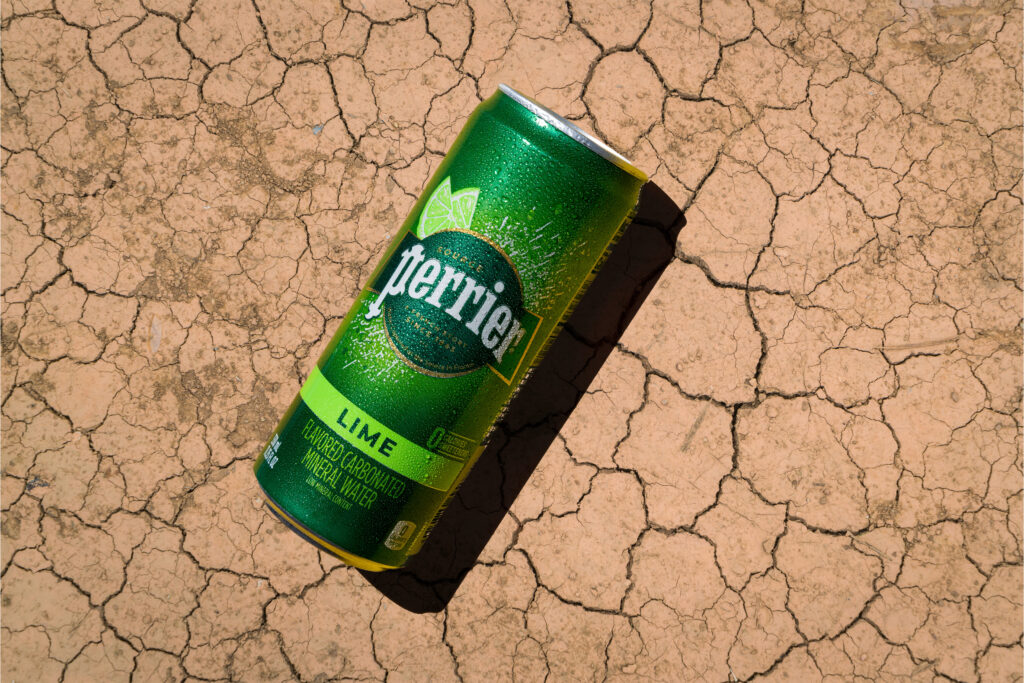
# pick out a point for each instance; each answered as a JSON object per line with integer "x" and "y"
{"x": 506, "y": 236}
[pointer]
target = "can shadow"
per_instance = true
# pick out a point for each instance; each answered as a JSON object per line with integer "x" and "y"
{"x": 536, "y": 414}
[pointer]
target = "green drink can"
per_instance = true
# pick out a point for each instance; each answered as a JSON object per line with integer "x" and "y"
{"x": 506, "y": 236}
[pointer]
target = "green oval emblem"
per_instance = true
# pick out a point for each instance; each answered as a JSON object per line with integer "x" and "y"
{"x": 461, "y": 300}
{"x": 451, "y": 300}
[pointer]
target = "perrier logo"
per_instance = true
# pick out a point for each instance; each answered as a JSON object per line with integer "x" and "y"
{"x": 451, "y": 299}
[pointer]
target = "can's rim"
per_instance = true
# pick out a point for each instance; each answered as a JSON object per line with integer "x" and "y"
{"x": 574, "y": 132}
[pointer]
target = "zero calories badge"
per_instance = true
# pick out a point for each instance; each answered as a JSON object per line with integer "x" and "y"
{"x": 452, "y": 301}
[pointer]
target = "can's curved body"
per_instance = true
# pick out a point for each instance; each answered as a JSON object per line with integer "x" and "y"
{"x": 494, "y": 255}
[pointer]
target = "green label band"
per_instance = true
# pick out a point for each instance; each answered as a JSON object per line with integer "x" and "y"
{"x": 360, "y": 430}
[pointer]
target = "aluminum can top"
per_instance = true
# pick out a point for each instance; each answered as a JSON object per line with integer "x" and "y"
{"x": 573, "y": 131}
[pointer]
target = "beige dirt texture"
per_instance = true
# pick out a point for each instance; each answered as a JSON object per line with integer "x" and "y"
{"x": 800, "y": 461}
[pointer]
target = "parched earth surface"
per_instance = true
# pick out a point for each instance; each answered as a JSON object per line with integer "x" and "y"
{"x": 802, "y": 458}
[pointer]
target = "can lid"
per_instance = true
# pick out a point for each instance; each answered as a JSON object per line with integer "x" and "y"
{"x": 574, "y": 132}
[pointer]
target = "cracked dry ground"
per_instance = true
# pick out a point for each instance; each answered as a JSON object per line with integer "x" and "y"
{"x": 801, "y": 459}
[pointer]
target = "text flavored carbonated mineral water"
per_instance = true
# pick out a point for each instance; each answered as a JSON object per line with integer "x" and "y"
{"x": 492, "y": 258}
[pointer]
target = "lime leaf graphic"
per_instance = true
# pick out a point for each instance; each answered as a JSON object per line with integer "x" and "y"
{"x": 463, "y": 206}
{"x": 437, "y": 213}
{"x": 447, "y": 211}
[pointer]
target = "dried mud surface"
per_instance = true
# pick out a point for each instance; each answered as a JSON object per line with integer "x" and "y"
{"x": 801, "y": 460}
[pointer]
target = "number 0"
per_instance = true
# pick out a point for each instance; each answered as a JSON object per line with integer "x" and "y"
{"x": 435, "y": 438}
